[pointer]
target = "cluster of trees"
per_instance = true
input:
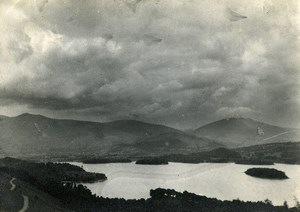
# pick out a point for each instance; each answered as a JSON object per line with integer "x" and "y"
{"x": 54, "y": 171}
{"x": 176, "y": 201}
{"x": 266, "y": 173}
{"x": 220, "y": 155}
{"x": 287, "y": 153}
{"x": 254, "y": 162}
{"x": 152, "y": 161}
{"x": 106, "y": 160}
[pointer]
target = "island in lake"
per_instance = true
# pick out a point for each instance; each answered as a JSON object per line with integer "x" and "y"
{"x": 266, "y": 173}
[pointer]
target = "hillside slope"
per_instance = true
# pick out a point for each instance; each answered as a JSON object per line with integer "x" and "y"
{"x": 169, "y": 142}
{"x": 241, "y": 132}
{"x": 35, "y": 135}
{"x": 287, "y": 152}
{"x": 12, "y": 195}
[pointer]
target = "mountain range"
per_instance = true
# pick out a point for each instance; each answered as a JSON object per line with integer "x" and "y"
{"x": 30, "y": 135}
{"x": 242, "y": 132}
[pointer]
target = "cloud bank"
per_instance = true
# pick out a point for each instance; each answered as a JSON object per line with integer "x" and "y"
{"x": 175, "y": 62}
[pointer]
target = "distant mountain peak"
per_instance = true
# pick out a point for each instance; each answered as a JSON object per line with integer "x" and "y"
{"x": 238, "y": 132}
{"x": 28, "y": 114}
{"x": 31, "y": 116}
{"x": 127, "y": 121}
{"x": 238, "y": 119}
{"x": 230, "y": 121}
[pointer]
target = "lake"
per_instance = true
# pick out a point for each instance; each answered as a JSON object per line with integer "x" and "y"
{"x": 225, "y": 181}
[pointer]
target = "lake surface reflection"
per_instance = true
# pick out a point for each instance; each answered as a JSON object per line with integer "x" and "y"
{"x": 225, "y": 181}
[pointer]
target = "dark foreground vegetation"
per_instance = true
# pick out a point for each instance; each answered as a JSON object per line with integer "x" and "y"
{"x": 152, "y": 161}
{"x": 266, "y": 173}
{"x": 106, "y": 160}
{"x": 59, "y": 172}
{"x": 77, "y": 197}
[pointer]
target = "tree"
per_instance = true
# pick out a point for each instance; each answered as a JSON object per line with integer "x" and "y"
{"x": 285, "y": 204}
{"x": 269, "y": 202}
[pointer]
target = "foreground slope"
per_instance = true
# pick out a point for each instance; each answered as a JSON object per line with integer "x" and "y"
{"x": 35, "y": 135}
{"x": 14, "y": 192}
{"x": 241, "y": 132}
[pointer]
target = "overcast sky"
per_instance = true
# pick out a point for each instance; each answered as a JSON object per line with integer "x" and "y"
{"x": 183, "y": 63}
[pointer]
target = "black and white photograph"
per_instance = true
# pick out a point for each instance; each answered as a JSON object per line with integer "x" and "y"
{"x": 149, "y": 105}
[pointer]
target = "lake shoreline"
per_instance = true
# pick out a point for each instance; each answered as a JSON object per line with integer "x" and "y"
{"x": 196, "y": 178}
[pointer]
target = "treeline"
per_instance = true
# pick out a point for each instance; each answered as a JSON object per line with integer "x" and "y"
{"x": 264, "y": 154}
{"x": 54, "y": 171}
{"x": 220, "y": 155}
{"x": 152, "y": 161}
{"x": 106, "y": 160}
{"x": 176, "y": 201}
{"x": 171, "y": 200}
{"x": 254, "y": 162}
{"x": 287, "y": 153}
{"x": 253, "y": 155}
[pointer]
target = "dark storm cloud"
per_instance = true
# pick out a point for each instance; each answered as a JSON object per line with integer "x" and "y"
{"x": 180, "y": 63}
